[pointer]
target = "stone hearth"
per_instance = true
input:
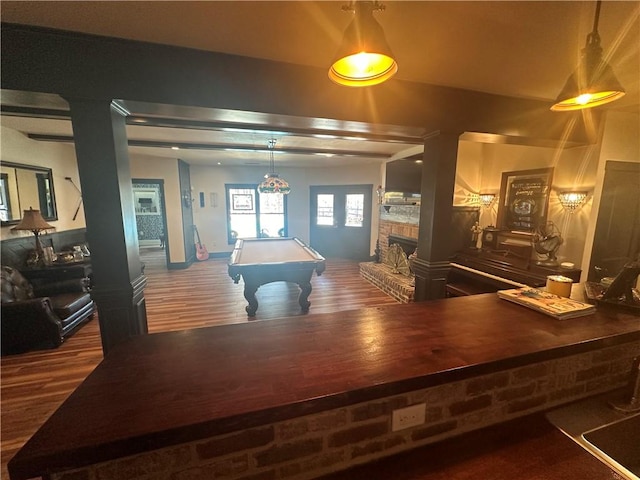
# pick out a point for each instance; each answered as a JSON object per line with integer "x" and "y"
{"x": 393, "y": 284}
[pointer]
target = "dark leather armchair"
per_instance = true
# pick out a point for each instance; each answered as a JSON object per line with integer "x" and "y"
{"x": 41, "y": 317}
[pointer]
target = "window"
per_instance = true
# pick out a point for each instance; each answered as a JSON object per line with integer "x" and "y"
{"x": 324, "y": 214}
{"x": 271, "y": 220}
{"x": 251, "y": 214}
{"x": 354, "y": 210}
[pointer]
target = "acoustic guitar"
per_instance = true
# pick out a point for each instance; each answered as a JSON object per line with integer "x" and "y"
{"x": 201, "y": 250}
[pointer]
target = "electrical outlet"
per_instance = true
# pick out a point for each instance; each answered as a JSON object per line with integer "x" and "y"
{"x": 408, "y": 417}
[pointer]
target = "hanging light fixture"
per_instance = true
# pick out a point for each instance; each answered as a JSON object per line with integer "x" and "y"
{"x": 364, "y": 57}
{"x": 593, "y": 83}
{"x": 272, "y": 182}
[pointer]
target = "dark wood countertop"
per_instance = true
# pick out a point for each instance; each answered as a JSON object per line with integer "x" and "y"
{"x": 162, "y": 389}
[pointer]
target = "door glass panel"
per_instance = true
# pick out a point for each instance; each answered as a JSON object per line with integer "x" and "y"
{"x": 271, "y": 214}
{"x": 324, "y": 213}
{"x": 242, "y": 212}
{"x": 354, "y": 210}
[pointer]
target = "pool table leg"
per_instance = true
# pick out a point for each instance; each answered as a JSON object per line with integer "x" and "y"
{"x": 250, "y": 296}
{"x": 305, "y": 291}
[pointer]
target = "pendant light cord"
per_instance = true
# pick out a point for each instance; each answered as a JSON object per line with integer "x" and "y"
{"x": 272, "y": 164}
{"x": 593, "y": 39}
{"x": 597, "y": 17}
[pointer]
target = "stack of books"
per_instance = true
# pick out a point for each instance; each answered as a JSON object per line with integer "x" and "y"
{"x": 547, "y": 303}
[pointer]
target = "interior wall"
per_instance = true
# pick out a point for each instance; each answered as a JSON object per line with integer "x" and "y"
{"x": 480, "y": 167}
{"x": 61, "y": 158}
{"x": 211, "y": 219}
{"x": 468, "y": 173}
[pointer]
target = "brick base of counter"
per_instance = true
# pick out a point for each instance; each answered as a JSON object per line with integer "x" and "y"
{"x": 395, "y": 285}
{"x": 309, "y": 446}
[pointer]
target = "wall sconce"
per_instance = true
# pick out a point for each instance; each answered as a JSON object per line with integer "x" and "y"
{"x": 486, "y": 199}
{"x": 572, "y": 201}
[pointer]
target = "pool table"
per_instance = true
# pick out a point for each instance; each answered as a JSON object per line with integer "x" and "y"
{"x": 264, "y": 260}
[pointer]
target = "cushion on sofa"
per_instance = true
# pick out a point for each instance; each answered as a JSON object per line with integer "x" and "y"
{"x": 66, "y": 304}
{"x": 14, "y": 287}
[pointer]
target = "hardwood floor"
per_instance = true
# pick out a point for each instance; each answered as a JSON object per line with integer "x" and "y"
{"x": 34, "y": 384}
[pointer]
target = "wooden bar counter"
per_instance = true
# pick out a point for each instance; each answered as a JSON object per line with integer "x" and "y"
{"x": 269, "y": 378}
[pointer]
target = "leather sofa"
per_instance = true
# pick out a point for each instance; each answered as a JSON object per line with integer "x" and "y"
{"x": 39, "y": 317}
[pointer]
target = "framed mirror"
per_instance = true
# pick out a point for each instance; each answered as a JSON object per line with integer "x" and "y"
{"x": 524, "y": 199}
{"x": 25, "y": 186}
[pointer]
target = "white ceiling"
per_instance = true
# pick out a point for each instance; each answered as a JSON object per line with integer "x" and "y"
{"x": 515, "y": 48}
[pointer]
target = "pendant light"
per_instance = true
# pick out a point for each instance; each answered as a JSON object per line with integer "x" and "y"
{"x": 364, "y": 57}
{"x": 593, "y": 83}
{"x": 272, "y": 182}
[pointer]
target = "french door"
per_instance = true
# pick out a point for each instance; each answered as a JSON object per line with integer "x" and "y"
{"x": 341, "y": 220}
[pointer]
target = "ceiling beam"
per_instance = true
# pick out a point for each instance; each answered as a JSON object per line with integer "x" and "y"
{"x": 224, "y": 147}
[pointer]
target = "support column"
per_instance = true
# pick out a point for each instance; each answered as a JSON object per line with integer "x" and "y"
{"x": 431, "y": 265}
{"x": 103, "y": 164}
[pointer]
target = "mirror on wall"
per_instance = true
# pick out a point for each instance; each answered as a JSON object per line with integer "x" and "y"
{"x": 25, "y": 186}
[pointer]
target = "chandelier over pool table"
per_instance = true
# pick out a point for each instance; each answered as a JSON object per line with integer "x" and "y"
{"x": 272, "y": 182}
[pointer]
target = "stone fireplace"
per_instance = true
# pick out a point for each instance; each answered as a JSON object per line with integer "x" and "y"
{"x": 398, "y": 225}
{"x": 408, "y": 244}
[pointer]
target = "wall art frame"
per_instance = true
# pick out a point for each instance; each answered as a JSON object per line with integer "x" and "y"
{"x": 524, "y": 200}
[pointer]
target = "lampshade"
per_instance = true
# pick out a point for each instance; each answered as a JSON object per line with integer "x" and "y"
{"x": 272, "y": 182}
{"x": 593, "y": 83}
{"x": 364, "y": 58}
{"x": 32, "y": 220}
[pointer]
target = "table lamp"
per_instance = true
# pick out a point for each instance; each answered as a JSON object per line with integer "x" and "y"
{"x": 32, "y": 220}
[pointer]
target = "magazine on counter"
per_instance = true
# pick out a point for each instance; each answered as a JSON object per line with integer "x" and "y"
{"x": 547, "y": 303}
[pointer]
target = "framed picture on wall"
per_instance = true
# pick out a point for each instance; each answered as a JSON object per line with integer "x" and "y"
{"x": 524, "y": 199}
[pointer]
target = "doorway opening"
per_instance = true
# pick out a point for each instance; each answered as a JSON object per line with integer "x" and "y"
{"x": 151, "y": 221}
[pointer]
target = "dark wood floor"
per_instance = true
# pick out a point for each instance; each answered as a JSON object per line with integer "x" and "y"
{"x": 34, "y": 384}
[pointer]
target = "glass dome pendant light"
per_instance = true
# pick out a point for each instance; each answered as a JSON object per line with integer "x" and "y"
{"x": 593, "y": 83}
{"x": 272, "y": 182}
{"x": 364, "y": 57}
